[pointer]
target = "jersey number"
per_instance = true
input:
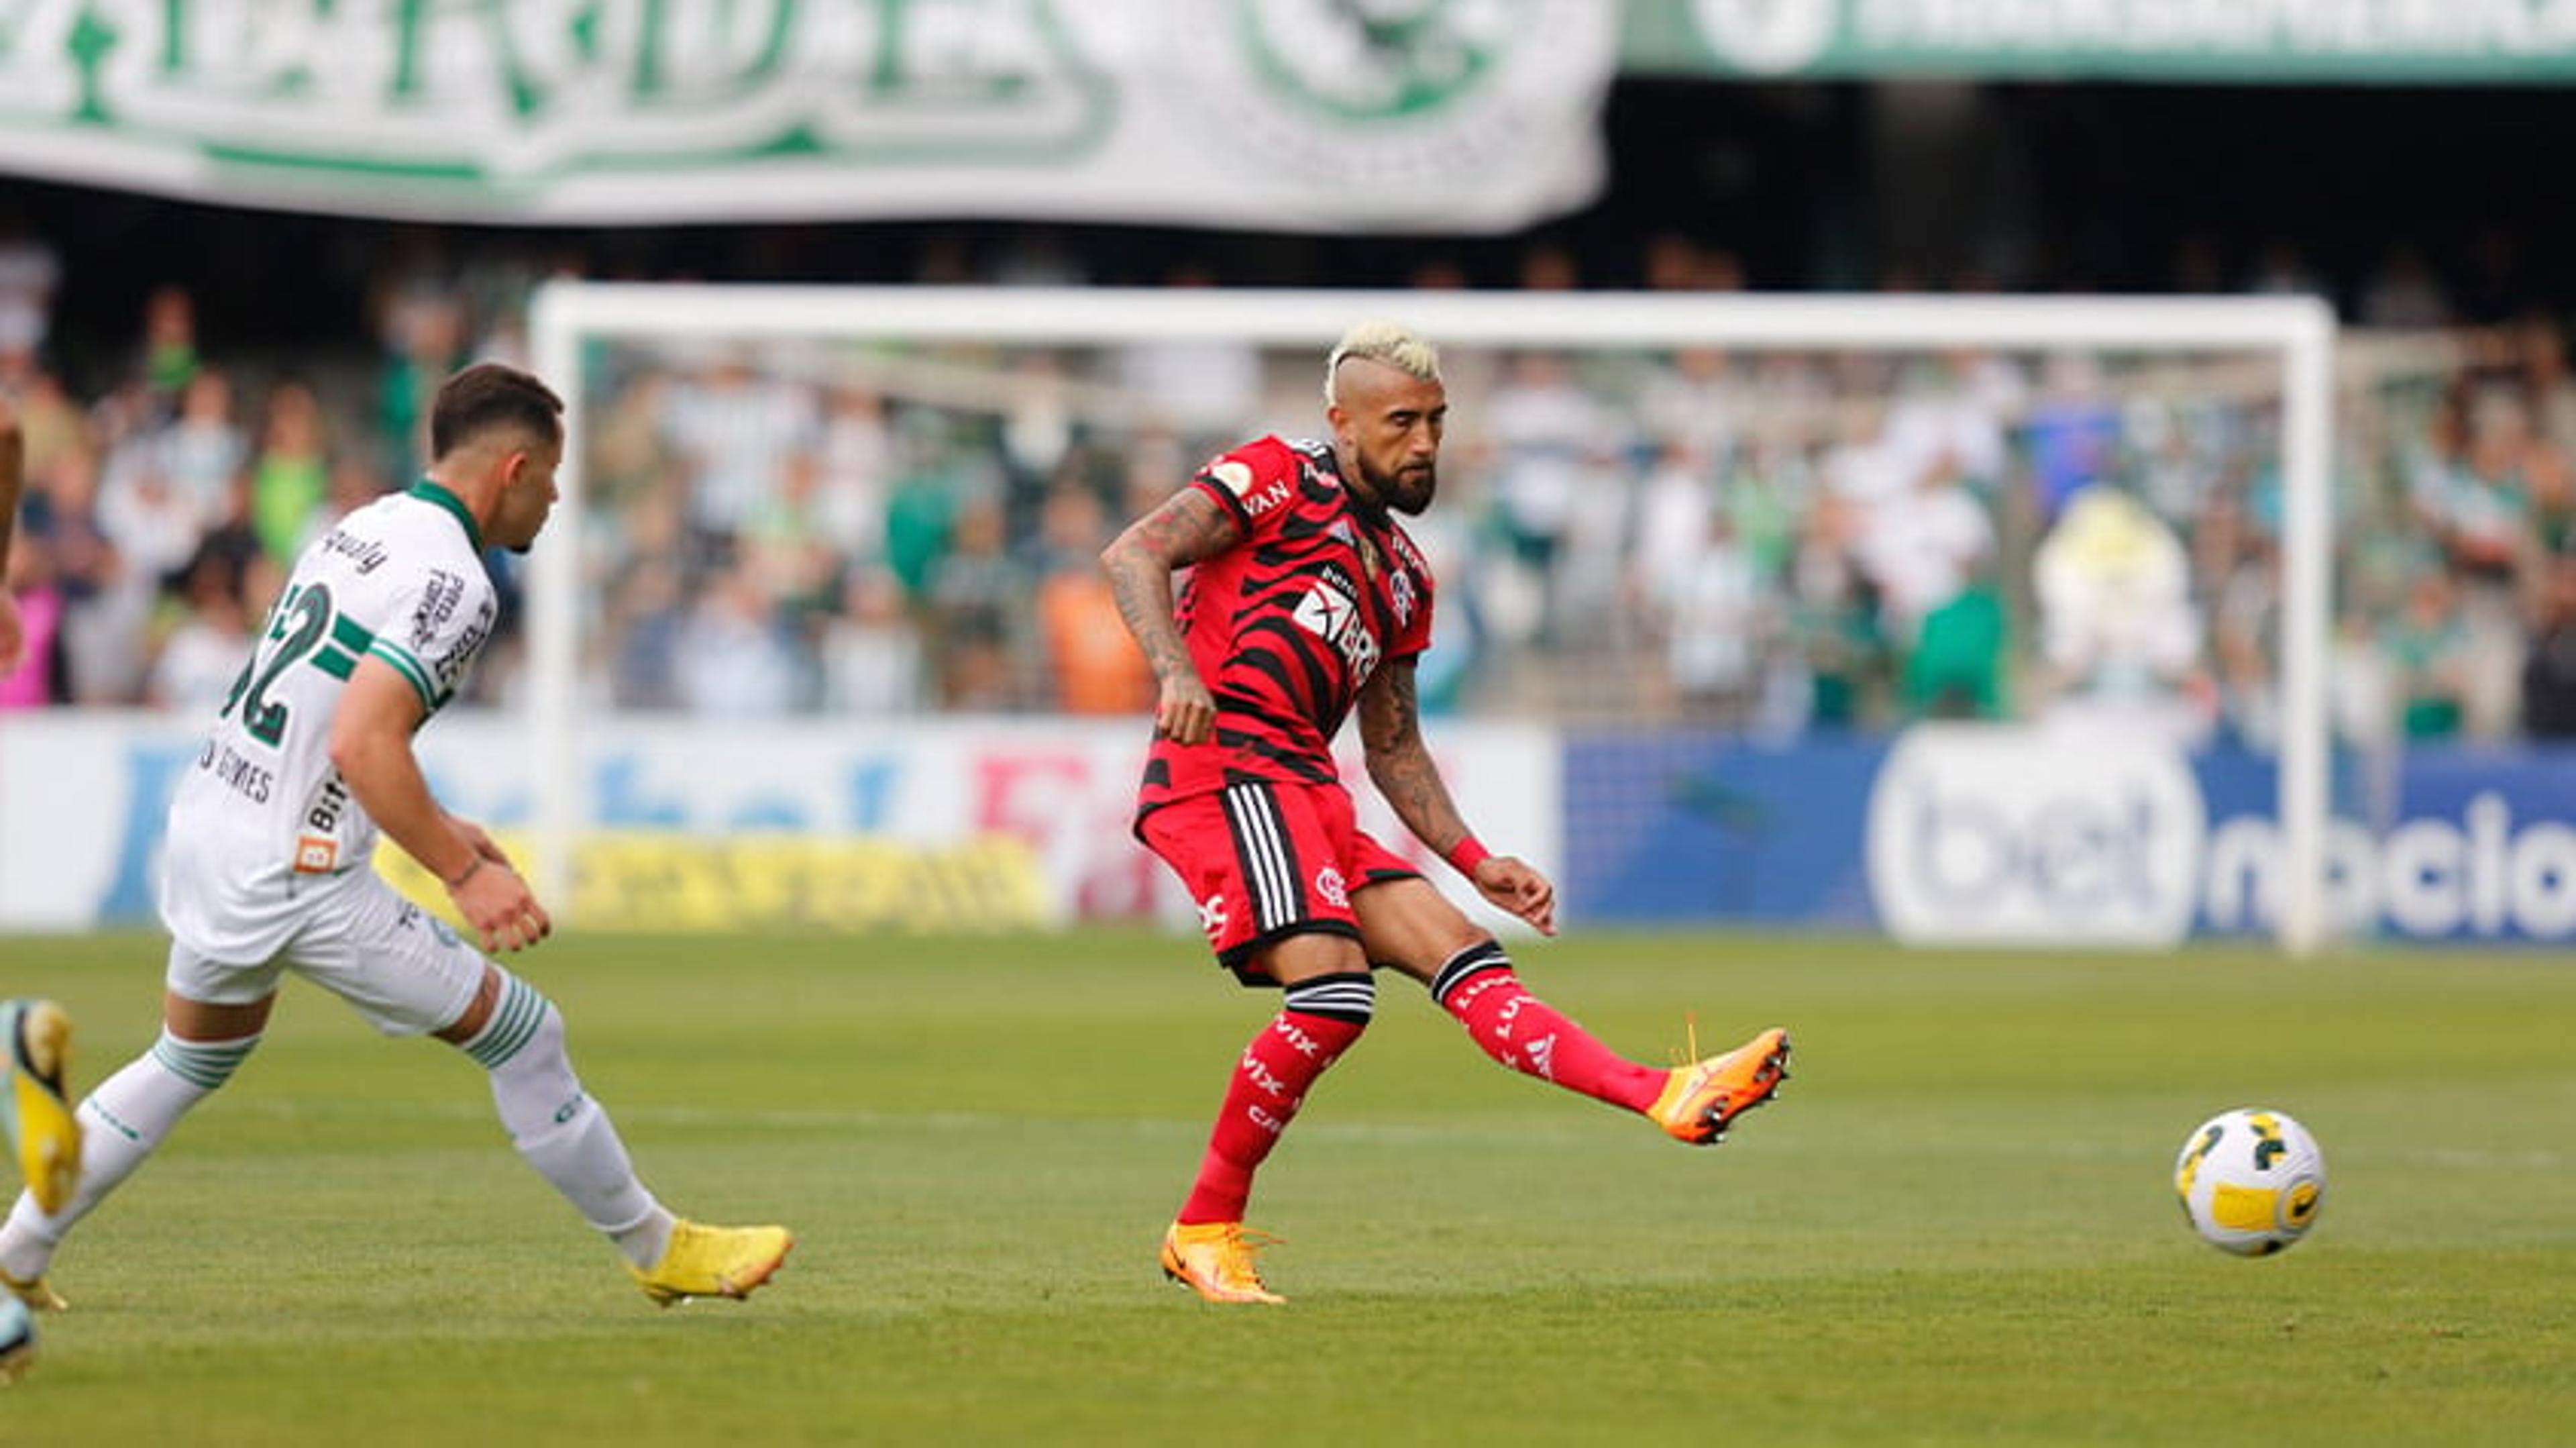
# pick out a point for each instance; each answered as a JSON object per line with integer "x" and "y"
{"x": 294, "y": 630}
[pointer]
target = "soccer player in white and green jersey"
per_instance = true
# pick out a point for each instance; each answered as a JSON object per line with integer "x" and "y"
{"x": 266, "y": 863}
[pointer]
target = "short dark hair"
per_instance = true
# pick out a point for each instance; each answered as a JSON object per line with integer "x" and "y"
{"x": 488, "y": 396}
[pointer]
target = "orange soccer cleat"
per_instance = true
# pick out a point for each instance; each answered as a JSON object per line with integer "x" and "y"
{"x": 1214, "y": 1260}
{"x": 1701, "y": 1101}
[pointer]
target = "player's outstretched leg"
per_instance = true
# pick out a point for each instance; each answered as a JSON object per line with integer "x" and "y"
{"x": 1694, "y": 1103}
{"x": 1207, "y": 1249}
{"x": 559, "y": 1130}
{"x": 122, "y": 1122}
{"x": 44, "y": 1135}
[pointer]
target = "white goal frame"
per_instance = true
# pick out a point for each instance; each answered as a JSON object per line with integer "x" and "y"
{"x": 2299, "y": 332}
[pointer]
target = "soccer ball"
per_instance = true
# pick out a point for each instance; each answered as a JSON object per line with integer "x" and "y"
{"x": 2251, "y": 1181}
{"x": 17, "y": 1337}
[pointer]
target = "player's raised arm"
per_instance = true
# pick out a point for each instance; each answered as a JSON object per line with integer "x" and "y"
{"x": 1400, "y": 765}
{"x": 1190, "y": 526}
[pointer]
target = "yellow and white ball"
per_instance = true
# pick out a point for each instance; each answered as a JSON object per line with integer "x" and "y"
{"x": 2251, "y": 1181}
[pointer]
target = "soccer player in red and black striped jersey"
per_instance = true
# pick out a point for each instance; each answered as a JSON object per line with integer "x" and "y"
{"x": 1305, "y": 598}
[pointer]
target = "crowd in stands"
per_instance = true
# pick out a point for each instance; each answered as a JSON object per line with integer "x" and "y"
{"x": 1772, "y": 543}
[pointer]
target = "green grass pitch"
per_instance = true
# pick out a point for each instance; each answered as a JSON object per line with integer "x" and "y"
{"x": 1956, "y": 1227}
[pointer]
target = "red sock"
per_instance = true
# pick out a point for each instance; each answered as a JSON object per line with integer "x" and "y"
{"x": 1527, "y": 1034}
{"x": 1270, "y": 1083}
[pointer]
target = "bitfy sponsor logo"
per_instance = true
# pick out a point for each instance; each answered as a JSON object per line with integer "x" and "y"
{"x": 1979, "y": 834}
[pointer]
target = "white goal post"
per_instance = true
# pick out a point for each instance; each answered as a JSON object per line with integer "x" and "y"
{"x": 2299, "y": 332}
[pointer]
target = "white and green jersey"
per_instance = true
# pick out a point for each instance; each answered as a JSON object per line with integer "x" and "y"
{"x": 264, "y": 821}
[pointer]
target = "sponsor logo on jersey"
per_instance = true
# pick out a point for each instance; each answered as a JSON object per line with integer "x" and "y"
{"x": 366, "y": 555}
{"x": 1237, "y": 477}
{"x": 449, "y": 668}
{"x": 323, "y": 817}
{"x": 1330, "y": 614}
{"x": 1212, "y": 916}
{"x": 438, "y": 599}
{"x": 315, "y": 855}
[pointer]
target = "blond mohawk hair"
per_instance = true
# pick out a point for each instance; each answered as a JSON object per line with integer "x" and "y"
{"x": 1379, "y": 340}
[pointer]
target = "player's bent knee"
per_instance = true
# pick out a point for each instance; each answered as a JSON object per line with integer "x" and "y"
{"x": 1343, "y": 996}
{"x": 206, "y": 1065}
{"x": 523, "y": 1024}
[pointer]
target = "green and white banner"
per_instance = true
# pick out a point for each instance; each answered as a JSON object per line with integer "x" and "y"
{"x": 2286, "y": 41}
{"x": 1321, "y": 115}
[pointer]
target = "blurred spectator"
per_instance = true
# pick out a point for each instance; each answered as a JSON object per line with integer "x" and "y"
{"x": 203, "y": 447}
{"x": 2072, "y": 431}
{"x": 1095, "y": 664}
{"x": 872, "y": 662}
{"x": 2428, "y": 648}
{"x": 733, "y": 428}
{"x": 169, "y": 353}
{"x": 2549, "y": 667}
{"x": 1956, "y": 668}
{"x": 1922, "y": 545}
{"x": 731, "y": 660}
{"x": 290, "y": 475}
{"x": 976, "y": 594}
{"x": 1837, "y": 650}
{"x": 37, "y": 681}
{"x": 106, "y": 601}
{"x": 424, "y": 342}
{"x": 921, "y": 507}
{"x": 2281, "y": 269}
{"x": 151, "y": 523}
{"x": 645, "y": 624}
{"x": 198, "y": 662}
{"x": 1545, "y": 430}
{"x": 29, "y": 273}
{"x": 2403, "y": 293}
{"x": 2119, "y": 637}
{"x": 1715, "y": 616}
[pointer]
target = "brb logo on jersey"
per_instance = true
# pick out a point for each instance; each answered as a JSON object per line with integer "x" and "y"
{"x": 1330, "y": 612}
{"x": 1212, "y": 916}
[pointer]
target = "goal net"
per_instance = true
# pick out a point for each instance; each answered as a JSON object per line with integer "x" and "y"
{"x": 1778, "y": 517}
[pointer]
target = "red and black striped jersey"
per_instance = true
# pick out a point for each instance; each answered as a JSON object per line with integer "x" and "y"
{"x": 1286, "y": 625}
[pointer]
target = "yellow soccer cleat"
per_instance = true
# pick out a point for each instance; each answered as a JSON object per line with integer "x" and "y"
{"x": 33, "y": 1293}
{"x": 47, "y": 1136}
{"x": 1701, "y": 1101}
{"x": 17, "y": 1341}
{"x": 1214, "y": 1260}
{"x": 714, "y": 1262}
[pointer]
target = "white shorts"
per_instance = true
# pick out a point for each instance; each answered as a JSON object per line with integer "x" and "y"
{"x": 400, "y": 966}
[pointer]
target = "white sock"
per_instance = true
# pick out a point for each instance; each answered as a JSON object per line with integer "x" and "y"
{"x": 121, "y": 1122}
{"x": 558, "y": 1129}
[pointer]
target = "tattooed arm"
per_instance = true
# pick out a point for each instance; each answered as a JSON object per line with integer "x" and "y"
{"x": 1189, "y": 527}
{"x": 1400, "y": 765}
